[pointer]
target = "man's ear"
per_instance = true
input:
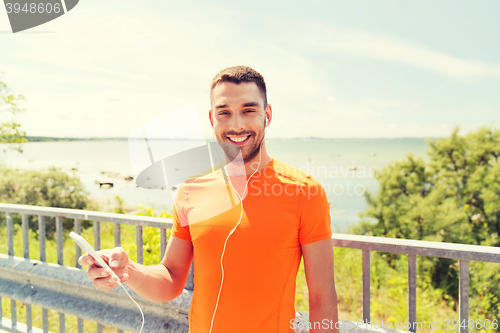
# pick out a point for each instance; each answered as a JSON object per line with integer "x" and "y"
{"x": 269, "y": 114}
{"x": 210, "y": 116}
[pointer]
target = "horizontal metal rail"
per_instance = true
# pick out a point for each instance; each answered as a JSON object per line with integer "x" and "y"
{"x": 143, "y": 221}
{"x": 419, "y": 248}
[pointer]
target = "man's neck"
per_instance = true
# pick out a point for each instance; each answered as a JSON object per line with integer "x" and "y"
{"x": 255, "y": 166}
{"x": 235, "y": 169}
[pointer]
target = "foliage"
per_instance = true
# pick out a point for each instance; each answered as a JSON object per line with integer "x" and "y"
{"x": 51, "y": 188}
{"x": 451, "y": 196}
{"x": 119, "y": 209}
{"x": 9, "y": 130}
{"x": 151, "y": 236}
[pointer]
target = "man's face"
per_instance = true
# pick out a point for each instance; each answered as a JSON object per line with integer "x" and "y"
{"x": 237, "y": 117}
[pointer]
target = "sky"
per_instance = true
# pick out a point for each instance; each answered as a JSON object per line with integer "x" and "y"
{"x": 333, "y": 69}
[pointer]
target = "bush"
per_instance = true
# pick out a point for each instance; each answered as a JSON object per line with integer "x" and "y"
{"x": 51, "y": 188}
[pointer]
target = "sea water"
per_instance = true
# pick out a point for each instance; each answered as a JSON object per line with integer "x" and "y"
{"x": 346, "y": 168}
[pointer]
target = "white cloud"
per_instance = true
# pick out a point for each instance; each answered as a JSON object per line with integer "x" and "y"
{"x": 322, "y": 38}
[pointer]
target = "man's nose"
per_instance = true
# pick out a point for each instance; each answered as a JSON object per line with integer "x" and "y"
{"x": 237, "y": 123}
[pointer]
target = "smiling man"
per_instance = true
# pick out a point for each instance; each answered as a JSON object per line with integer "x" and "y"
{"x": 243, "y": 90}
{"x": 246, "y": 257}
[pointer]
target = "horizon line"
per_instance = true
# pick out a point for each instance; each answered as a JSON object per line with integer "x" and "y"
{"x": 272, "y": 138}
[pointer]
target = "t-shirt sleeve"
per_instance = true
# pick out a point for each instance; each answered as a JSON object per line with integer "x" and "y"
{"x": 314, "y": 214}
{"x": 177, "y": 229}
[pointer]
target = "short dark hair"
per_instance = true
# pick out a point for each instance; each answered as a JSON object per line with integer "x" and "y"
{"x": 238, "y": 74}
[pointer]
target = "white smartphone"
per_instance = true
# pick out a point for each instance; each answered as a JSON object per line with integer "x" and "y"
{"x": 85, "y": 246}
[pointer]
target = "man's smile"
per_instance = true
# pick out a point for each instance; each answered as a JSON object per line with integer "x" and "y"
{"x": 239, "y": 139}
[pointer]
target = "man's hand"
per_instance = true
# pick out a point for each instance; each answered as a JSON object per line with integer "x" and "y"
{"x": 157, "y": 283}
{"x": 117, "y": 259}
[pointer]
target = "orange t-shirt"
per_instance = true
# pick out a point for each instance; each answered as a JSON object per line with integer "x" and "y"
{"x": 284, "y": 208}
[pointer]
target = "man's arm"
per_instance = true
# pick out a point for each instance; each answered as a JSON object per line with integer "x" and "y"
{"x": 318, "y": 264}
{"x": 157, "y": 283}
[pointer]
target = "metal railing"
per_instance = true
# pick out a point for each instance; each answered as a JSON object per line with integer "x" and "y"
{"x": 413, "y": 248}
{"x": 77, "y": 215}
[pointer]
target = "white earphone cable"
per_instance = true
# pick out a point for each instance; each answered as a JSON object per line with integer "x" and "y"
{"x": 232, "y": 231}
{"x": 142, "y": 313}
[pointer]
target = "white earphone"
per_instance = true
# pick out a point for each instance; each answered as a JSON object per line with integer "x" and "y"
{"x": 232, "y": 231}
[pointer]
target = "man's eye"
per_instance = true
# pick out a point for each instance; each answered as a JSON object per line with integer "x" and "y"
{"x": 249, "y": 110}
{"x": 223, "y": 113}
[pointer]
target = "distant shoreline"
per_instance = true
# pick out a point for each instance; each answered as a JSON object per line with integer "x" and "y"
{"x": 49, "y": 138}
{"x": 52, "y": 139}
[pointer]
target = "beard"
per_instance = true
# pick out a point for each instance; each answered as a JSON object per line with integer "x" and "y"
{"x": 249, "y": 152}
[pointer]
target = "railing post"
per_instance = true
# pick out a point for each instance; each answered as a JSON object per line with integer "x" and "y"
{"x": 45, "y": 320}
{"x": 78, "y": 251}
{"x": 10, "y": 234}
{"x": 366, "y": 285}
{"x": 41, "y": 237}
{"x": 62, "y": 323}
{"x": 463, "y": 298}
{"x": 59, "y": 235}
{"x": 139, "y": 243}
{"x": 13, "y": 314}
{"x": 97, "y": 235}
{"x": 117, "y": 230}
{"x": 163, "y": 241}
{"x": 80, "y": 325}
{"x": 26, "y": 240}
{"x": 412, "y": 292}
{"x": 26, "y": 254}
{"x": 29, "y": 319}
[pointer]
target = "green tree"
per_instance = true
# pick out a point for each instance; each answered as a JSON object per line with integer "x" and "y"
{"x": 451, "y": 195}
{"x": 10, "y": 130}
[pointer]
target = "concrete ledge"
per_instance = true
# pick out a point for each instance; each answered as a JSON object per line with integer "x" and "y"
{"x": 70, "y": 291}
